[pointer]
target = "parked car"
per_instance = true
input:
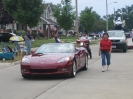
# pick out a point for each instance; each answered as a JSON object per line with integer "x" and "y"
{"x": 55, "y": 59}
{"x": 5, "y": 37}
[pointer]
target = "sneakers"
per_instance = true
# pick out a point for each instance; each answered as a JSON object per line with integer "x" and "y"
{"x": 107, "y": 68}
{"x": 103, "y": 70}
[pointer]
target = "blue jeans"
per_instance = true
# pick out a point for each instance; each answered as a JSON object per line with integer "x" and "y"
{"x": 105, "y": 56}
{"x": 28, "y": 42}
{"x": 17, "y": 46}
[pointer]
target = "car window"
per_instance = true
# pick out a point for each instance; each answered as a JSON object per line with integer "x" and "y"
{"x": 116, "y": 34}
{"x": 56, "y": 48}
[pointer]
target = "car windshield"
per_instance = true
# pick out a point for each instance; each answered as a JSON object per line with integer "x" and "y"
{"x": 116, "y": 34}
{"x": 56, "y": 48}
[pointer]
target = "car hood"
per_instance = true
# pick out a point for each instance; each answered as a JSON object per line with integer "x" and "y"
{"x": 116, "y": 38}
{"x": 48, "y": 58}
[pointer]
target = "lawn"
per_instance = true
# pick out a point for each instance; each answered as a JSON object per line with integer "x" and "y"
{"x": 38, "y": 43}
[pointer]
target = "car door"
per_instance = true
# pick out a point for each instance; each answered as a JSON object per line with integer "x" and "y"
{"x": 78, "y": 57}
{"x": 83, "y": 56}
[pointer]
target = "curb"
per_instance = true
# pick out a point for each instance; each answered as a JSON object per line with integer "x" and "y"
{"x": 10, "y": 64}
{"x": 15, "y": 63}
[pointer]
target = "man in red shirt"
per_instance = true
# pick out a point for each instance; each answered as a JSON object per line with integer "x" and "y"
{"x": 105, "y": 51}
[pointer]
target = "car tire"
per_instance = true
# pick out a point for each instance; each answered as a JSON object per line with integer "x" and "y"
{"x": 86, "y": 64}
{"x": 3, "y": 59}
{"x": 74, "y": 69}
{"x": 125, "y": 49}
{"x": 26, "y": 76}
{"x": 13, "y": 58}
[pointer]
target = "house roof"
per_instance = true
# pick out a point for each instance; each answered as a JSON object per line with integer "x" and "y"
{"x": 45, "y": 6}
{"x": 48, "y": 21}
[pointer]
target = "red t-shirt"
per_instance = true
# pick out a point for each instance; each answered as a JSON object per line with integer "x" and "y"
{"x": 105, "y": 45}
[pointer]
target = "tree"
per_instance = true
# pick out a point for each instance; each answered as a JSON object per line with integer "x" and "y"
{"x": 26, "y": 12}
{"x": 65, "y": 15}
{"x": 87, "y": 19}
{"x": 125, "y": 14}
{"x": 5, "y": 18}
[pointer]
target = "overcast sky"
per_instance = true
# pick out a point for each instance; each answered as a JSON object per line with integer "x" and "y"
{"x": 98, "y": 5}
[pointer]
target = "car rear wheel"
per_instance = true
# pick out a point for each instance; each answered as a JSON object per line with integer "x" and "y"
{"x": 74, "y": 69}
{"x": 125, "y": 49}
{"x": 13, "y": 57}
{"x": 86, "y": 63}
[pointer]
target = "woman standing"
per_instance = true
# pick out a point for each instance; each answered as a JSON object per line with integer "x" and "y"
{"x": 105, "y": 51}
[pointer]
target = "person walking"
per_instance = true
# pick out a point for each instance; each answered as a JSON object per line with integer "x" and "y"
{"x": 28, "y": 40}
{"x": 105, "y": 50}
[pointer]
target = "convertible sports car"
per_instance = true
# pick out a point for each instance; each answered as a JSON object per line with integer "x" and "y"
{"x": 55, "y": 58}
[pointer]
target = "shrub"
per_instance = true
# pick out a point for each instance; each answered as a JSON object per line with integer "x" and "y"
{"x": 34, "y": 34}
{"x": 9, "y": 30}
{"x": 20, "y": 32}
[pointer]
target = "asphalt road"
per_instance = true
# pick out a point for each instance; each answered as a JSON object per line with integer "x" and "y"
{"x": 91, "y": 84}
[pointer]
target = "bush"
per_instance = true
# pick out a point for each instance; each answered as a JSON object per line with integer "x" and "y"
{"x": 60, "y": 33}
{"x": 41, "y": 35}
{"x": 9, "y": 30}
{"x": 20, "y": 32}
{"x": 34, "y": 34}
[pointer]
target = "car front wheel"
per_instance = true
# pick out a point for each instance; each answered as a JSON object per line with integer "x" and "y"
{"x": 86, "y": 63}
{"x": 74, "y": 69}
{"x": 125, "y": 49}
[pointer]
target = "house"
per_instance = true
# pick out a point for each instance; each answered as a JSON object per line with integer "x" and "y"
{"x": 47, "y": 21}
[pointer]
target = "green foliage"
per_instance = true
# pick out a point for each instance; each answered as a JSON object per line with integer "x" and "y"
{"x": 26, "y": 12}
{"x": 65, "y": 15}
{"x": 34, "y": 34}
{"x": 9, "y": 30}
{"x": 125, "y": 13}
{"x": 87, "y": 19}
{"x": 20, "y": 32}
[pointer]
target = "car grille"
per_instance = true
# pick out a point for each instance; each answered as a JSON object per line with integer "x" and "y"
{"x": 42, "y": 70}
{"x": 115, "y": 40}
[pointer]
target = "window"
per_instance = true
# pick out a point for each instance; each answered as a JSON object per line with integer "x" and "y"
{"x": 47, "y": 15}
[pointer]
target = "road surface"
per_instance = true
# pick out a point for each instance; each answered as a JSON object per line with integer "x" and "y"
{"x": 91, "y": 84}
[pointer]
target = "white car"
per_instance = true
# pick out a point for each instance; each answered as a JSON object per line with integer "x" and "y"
{"x": 119, "y": 40}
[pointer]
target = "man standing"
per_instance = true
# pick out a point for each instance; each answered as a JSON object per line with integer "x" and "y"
{"x": 28, "y": 39}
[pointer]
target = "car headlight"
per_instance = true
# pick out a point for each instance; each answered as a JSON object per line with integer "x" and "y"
{"x": 25, "y": 60}
{"x": 81, "y": 44}
{"x": 64, "y": 59}
{"x": 122, "y": 40}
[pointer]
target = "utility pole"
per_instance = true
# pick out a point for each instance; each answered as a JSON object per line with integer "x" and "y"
{"x": 77, "y": 21}
{"x": 106, "y": 16}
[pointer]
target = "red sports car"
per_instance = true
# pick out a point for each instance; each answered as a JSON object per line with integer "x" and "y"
{"x": 55, "y": 58}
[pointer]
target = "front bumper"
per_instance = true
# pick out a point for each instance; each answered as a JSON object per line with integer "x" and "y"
{"x": 118, "y": 45}
{"x": 54, "y": 69}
